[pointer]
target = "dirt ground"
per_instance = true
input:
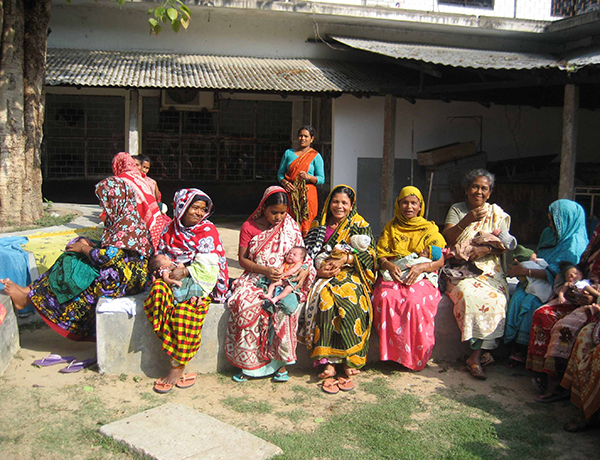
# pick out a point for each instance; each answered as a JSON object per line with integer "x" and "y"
{"x": 296, "y": 405}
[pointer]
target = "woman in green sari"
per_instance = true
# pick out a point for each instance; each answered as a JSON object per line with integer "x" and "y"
{"x": 338, "y": 313}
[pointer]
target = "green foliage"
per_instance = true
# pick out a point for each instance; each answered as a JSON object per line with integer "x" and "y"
{"x": 173, "y": 11}
{"x": 245, "y": 406}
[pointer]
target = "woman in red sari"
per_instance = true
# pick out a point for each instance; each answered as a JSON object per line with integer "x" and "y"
{"x": 299, "y": 173}
{"x": 125, "y": 167}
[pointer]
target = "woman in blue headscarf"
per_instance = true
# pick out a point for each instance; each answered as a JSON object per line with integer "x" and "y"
{"x": 564, "y": 239}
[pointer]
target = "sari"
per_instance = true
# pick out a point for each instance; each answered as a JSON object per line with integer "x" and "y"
{"x": 405, "y": 315}
{"x": 124, "y": 167}
{"x": 556, "y": 326}
{"x": 261, "y": 340}
{"x": 480, "y": 302}
{"x": 121, "y": 262}
{"x": 583, "y": 371}
{"x": 339, "y": 314}
{"x": 567, "y": 243}
{"x": 179, "y": 325}
{"x": 304, "y": 200}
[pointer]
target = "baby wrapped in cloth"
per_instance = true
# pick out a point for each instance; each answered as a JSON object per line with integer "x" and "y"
{"x": 429, "y": 254}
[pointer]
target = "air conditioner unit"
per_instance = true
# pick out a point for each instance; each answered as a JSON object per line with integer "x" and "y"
{"x": 187, "y": 99}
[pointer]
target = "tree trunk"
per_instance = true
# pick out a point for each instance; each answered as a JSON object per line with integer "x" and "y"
{"x": 22, "y": 72}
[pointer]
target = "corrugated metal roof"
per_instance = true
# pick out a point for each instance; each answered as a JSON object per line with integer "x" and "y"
{"x": 140, "y": 69}
{"x": 455, "y": 57}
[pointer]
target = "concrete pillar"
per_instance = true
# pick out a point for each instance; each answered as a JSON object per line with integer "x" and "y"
{"x": 568, "y": 153}
{"x": 133, "y": 136}
{"x": 387, "y": 163}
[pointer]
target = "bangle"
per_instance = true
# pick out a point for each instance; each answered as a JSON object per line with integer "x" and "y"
{"x": 529, "y": 270}
{"x": 430, "y": 266}
{"x": 461, "y": 229}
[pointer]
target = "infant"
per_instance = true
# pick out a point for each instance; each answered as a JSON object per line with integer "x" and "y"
{"x": 574, "y": 281}
{"x": 429, "y": 254}
{"x": 541, "y": 288}
{"x": 197, "y": 280}
{"x": 498, "y": 239}
{"x": 278, "y": 290}
{"x": 358, "y": 244}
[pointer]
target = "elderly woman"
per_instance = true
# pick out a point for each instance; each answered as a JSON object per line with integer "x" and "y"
{"x": 555, "y": 327}
{"x": 299, "y": 173}
{"x": 179, "y": 325}
{"x": 405, "y": 307}
{"x": 582, "y": 377}
{"x": 339, "y": 314}
{"x": 479, "y": 302}
{"x": 261, "y": 338}
{"x": 564, "y": 239}
{"x": 66, "y": 295}
{"x": 125, "y": 167}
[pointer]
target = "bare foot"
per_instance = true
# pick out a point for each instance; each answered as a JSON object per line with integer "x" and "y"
{"x": 18, "y": 294}
{"x": 328, "y": 372}
{"x": 350, "y": 371}
{"x": 173, "y": 375}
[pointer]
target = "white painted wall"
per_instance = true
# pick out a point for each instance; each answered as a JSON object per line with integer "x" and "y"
{"x": 508, "y": 131}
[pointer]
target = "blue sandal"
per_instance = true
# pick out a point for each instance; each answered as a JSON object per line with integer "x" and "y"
{"x": 239, "y": 378}
{"x": 281, "y": 377}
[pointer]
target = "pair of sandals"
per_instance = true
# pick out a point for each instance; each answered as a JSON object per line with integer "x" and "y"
{"x": 185, "y": 381}
{"x": 72, "y": 364}
{"x": 280, "y": 377}
{"x": 333, "y": 386}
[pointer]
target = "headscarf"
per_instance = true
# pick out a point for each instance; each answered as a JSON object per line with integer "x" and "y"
{"x": 569, "y": 240}
{"x": 182, "y": 243}
{"x": 123, "y": 227}
{"x": 402, "y": 236}
{"x": 260, "y": 210}
{"x": 124, "y": 167}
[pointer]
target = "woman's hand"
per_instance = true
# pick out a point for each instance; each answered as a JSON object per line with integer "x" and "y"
{"x": 414, "y": 273}
{"x": 288, "y": 186}
{"x": 579, "y": 297}
{"x": 305, "y": 176}
{"x": 516, "y": 270}
{"x": 393, "y": 269}
{"x": 274, "y": 273}
{"x": 330, "y": 268}
{"x": 300, "y": 276}
{"x": 476, "y": 214}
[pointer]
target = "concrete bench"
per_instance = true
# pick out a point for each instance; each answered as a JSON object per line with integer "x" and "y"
{"x": 9, "y": 334}
{"x": 127, "y": 344}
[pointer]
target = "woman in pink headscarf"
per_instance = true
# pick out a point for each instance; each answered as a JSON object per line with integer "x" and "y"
{"x": 124, "y": 167}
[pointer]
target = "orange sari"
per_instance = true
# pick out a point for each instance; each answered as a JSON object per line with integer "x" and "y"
{"x": 304, "y": 201}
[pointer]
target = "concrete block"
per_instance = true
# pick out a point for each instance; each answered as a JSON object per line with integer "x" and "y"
{"x": 448, "y": 345}
{"x": 174, "y": 432}
{"x": 9, "y": 333}
{"x": 127, "y": 344}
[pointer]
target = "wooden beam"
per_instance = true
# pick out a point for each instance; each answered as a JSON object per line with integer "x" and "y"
{"x": 568, "y": 153}
{"x": 388, "y": 157}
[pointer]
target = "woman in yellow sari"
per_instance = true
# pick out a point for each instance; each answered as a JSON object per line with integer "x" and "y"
{"x": 338, "y": 312}
{"x": 406, "y": 304}
{"x": 299, "y": 173}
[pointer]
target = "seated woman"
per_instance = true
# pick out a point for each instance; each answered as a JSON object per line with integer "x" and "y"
{"x": 179, "y": 325}
{"x": 261, "y": 339}
{"x": 338, "y": 313}
{"x": 479, "y": 302}
{"x": 582, "y": 376}
{"x": 125, "y": 167}
{"x": 405, "y": 307}
{"x": 555, "y": 327}
{"x": 564, "y": 239}
{"x": 121, "y": 263}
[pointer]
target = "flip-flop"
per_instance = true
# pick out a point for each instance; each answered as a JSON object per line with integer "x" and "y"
{"x": 51, "y": 360}
{"x": 281, "y": 377}
{"x": 239, "y": 378}
{"x": 476, "y": 371}
{"x": 330, "y": 386}
{"x": 554, "y": 398}
{"x": 186, "y": 380}
{"x": 345, "y": 384}
{"x": 162, "y": 387}
{"x": 486, "y": 359}
{"x": 76, "y": 366}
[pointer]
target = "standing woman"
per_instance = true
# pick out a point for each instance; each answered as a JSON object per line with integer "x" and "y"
{"x": 564, "y": 239}
{"x": 261, "y": 341}
{"x": 405, "y": 308}
{"x": 299, "y": 173}
{"x": 479, "y": 303}
{"x": 65, "y": 301}
{"x": 179, "y": 325}
{"x": 339, "y": 314}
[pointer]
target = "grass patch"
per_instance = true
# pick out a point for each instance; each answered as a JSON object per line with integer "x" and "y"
{"x": 246, "y": 406}
{"x": 295, "y": 415}
{"x": 406, "y": 427}
{"x": 46, "y": 221}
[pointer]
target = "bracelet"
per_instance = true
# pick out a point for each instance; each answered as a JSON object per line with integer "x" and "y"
{"x": 430, "y": 266}
{"x": 529, "y": 270}
{"x": 461, "y": 229}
